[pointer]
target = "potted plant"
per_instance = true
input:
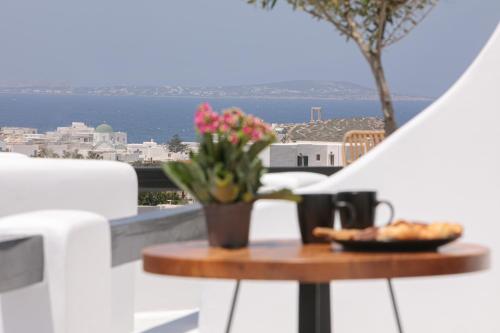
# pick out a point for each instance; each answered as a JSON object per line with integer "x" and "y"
{"x": 224, "y": 175}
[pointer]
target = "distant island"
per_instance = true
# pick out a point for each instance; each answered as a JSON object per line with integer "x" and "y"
{"x": 303, "y": 89}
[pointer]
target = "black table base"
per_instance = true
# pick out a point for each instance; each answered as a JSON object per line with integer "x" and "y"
{"x": 314, "y": 308}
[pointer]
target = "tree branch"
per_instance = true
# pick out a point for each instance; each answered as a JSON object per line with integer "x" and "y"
{"x": 393, "y": 38}
{"x": 329, "y": 18}
{"x": 381, "y": 27}
{"x": 355, "y": 35}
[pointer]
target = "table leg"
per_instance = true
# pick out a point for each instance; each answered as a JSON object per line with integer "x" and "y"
{"x": 314, "y": 308}
{"x": 233, "y": 305}
{"x": 395, "y": 306}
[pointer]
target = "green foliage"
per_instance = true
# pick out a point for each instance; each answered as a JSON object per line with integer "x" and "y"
{"x": 44, "y": 152}
{"x": 160, "y": 198}
{"x": 372, "y": 25}
{"x": 175, "y": 144}
{"x": 378, "y": 23}
{"x": 92, "y": 155}
{"x": 146, "y": 163}
{"x": 75, "y": 154}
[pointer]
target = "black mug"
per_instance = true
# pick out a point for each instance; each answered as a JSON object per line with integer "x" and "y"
{"x": 318, "y": 210}
{"x": 364, "y": 204}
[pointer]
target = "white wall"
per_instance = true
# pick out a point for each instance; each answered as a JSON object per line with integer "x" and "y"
{"x": 336, "y": 150}
{"x": 282, "y": 155}
{"x": 28, "y": 150}
{"x": 285, "y": 155}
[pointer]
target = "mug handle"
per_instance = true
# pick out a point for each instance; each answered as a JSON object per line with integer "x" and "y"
{"x": 350, "y": 208}
{"x": 391, "y": 207}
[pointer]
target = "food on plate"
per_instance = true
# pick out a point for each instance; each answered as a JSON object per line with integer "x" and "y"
{"x": 398, "y": 230}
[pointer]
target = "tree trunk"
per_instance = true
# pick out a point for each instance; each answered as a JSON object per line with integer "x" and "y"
{"x": 384, "y": 93}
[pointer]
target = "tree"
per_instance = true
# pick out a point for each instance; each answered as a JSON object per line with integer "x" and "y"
{"x": 75, "y": 154}
{"x": 92, "y": 155}
{"x": 66, "y": 154}
{"x": 44, "y": 152}
{"x": 373, "y": 25}
{"x": 147, "y": 163}
{"x": 175, "y": 144}
{"x": 161, "y": 198}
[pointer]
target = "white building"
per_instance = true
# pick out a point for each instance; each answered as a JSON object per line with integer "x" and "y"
{"x": 105, "y": 133}
{"x": 22, "y": 148}
{"x": 303, "y": 154}
{"x": 78, "y": 137}
{"x": 16, "y": 135}
{"x": 78, "y": 132}
{"x": 192, "y": 146}
{"x": 17, "y": 130}
{"x": 3, "y": 146}
{"x": 151, "y": 151}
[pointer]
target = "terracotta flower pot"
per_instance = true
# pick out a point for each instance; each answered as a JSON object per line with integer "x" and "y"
{"x": 228, "y": 225}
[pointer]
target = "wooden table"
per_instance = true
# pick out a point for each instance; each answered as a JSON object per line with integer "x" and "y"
{"x": 312, "y": 265}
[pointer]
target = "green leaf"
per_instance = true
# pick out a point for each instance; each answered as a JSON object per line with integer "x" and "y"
{"x": 188, "y": 176}
{"x": 257, "y": 147}
{"x": 223, "y": 188}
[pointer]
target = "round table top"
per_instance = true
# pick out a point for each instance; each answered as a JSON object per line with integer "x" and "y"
{"x": 315, "y": 263}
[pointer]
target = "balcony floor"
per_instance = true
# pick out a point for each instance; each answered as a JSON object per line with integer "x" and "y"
{"x": 185, "y": 321}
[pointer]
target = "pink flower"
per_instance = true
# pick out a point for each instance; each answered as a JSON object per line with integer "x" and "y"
{"x": 205, "y": 107}
{"x": 229, "y": 120}
{"x": 233, "y": 124}
{"x": 234, "y": 111}
{"x": 223, "y": 128}
{"x": 234, "y": 138}
{"x": 256, "y": 135}
{"x": 247, "y": 130}
{"x": 206, "y": 120}
{"x": 250, "y": 120}
{"x": 233, "y": 117}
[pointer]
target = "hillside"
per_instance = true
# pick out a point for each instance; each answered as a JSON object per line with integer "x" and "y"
{"x": 286, "y": 90}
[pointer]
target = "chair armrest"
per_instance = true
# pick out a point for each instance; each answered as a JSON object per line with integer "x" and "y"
{"x": 75, "y": 295}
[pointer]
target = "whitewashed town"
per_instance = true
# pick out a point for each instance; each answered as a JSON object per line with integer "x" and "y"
{"x": 81, "y": 141}
{"x": 315, "y": 143}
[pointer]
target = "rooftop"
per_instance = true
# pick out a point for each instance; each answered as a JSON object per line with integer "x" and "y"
{"x": 332, "y": 130}
{"x": 104, "y": 128}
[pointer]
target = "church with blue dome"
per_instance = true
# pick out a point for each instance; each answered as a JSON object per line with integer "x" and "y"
{"x": 106, "y": 139}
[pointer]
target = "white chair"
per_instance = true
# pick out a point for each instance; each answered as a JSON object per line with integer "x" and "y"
{"x": 433, "y": 168}
{"x": 105, "y": 188}
{"x": 108, "y": 189}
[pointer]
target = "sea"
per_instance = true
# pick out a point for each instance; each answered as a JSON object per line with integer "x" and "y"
{"x": 159, "y": 118}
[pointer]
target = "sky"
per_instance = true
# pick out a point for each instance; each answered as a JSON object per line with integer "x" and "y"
{"x": 224, "y": 42}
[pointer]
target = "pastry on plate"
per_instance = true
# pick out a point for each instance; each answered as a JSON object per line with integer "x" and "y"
{"x": 399, "y": 230}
